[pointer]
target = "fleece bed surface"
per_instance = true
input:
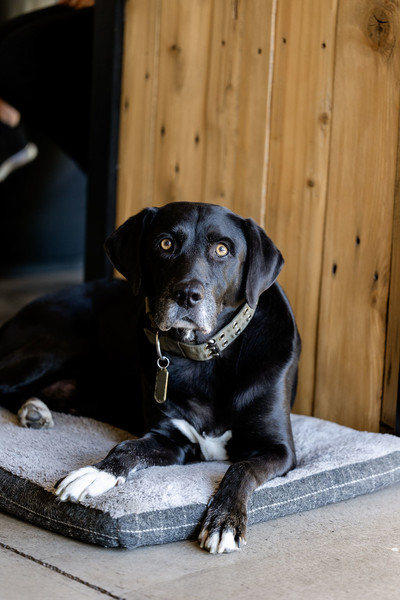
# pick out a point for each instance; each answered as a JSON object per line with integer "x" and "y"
{"x": 164, "y": 504}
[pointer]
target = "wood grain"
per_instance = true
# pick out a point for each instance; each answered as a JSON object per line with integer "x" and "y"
{"x": 299, "y": 160}
{"x": 138, "y": 107}
{"x": 288, "y": 112}
{"x": 357, "y": 249}
{"x": 237, "y": 105}
{"x": 194, "y": 103}
{"x": 182, "y": 85}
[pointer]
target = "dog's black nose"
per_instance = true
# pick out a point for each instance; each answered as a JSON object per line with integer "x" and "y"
{"x": 189, "y": 293}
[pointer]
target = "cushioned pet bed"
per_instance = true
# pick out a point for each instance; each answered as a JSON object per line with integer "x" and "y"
{"x": 164, "y": 504}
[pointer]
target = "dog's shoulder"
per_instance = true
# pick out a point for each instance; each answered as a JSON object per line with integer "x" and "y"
{"x": 273, "y": 331}
{"x": 275, "y": 312}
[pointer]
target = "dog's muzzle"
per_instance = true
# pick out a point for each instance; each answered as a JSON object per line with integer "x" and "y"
{"x": 187, "y": 306}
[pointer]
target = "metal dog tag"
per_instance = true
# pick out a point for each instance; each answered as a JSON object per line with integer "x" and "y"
{"x": 161, "y": 386}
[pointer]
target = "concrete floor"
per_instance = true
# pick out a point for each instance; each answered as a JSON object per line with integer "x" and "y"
{"x": 349, "y": 550}
{"x": 342, "y": 551}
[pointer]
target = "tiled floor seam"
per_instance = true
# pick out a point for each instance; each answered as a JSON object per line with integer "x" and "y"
{"x": 60, "y": 571}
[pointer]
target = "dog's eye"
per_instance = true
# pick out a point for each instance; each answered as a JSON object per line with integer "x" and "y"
{"x": 166, "y": 244}
{"x": 221, "y": 250}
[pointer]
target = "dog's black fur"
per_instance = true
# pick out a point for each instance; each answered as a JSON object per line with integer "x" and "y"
{"x": 84, "y": 350}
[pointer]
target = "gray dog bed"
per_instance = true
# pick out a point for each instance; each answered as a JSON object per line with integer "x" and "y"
{"x": 164, "y": 504}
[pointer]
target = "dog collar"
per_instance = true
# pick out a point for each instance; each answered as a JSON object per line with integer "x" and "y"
{"x": 213, "y": 347}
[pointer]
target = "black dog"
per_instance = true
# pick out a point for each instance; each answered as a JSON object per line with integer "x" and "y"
{"x": 207, "y": 371}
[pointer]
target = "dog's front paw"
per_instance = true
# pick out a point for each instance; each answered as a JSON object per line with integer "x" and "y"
{"x": 87, "y": 481}
{"x": 223, "y": 530}
{"x": 35, "y": 414}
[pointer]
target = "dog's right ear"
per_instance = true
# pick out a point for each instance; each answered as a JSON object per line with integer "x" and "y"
{"x": 123, "y": 247}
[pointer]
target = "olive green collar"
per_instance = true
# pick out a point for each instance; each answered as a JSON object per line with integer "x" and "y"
{"x": 212, "y": 348}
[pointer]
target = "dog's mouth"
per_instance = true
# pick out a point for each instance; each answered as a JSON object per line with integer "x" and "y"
{"x": 184, "y": 323}
{"x": 168, "y": 315}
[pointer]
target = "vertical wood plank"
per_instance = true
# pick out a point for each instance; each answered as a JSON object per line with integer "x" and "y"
{"x": 180, "y": 127}
{"x": 254, "y": 116}
{"x": 138, "y": 107}
{"x": 358, "y": 235}
{"x": 223, "y": 102}
{"x": 298, "y": 164}
{"x": 237, "y": 103}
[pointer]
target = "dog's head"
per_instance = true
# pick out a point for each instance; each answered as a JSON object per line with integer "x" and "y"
{"x": 193, "y": 261}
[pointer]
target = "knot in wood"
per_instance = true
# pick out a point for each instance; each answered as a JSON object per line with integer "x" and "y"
{"x": 175, "y": 48}
{"x": 380, "y": 30}
{"x": 324, "y": 119}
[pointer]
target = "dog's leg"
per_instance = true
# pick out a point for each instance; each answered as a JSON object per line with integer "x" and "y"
{"x": 44, "y": 343}
{"x": 20, "y": 378}
{"x": 123, "y": 460}
{"x": 224, "y": 526}
{"x": 25, "y": 377}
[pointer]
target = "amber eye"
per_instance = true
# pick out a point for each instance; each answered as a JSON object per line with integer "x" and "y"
{"x": 166, "y": 244}
{"x": 221, "y": 250}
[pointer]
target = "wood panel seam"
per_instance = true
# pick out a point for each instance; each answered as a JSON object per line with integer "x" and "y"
{"x": 264, "y": 185}
{"x": 154, "y": 99}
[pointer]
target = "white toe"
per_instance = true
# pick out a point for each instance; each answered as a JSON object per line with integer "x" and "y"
{"x": 87, "y": 481}
{"x": 212, "y": 542}
{"x": 227, "y": 543}
{"x": 103, "y": 482}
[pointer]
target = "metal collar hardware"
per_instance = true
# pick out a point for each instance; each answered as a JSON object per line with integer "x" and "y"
{"x": 210, "y": 349}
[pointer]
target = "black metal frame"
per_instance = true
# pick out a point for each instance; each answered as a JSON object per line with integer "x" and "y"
{"x": 104, "y": 134}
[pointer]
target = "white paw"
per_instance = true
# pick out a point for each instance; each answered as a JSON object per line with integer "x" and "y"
{"x": 218, "y": 542}
{"x": 87, "y": 481}
{"x": 35, "y": 414}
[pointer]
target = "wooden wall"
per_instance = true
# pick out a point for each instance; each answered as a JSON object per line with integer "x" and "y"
{"x": 286, "y": 111}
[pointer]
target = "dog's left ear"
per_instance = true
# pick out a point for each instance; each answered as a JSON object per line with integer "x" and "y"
{"x": 264, "y": 262}
{"x": 123, "y": 247}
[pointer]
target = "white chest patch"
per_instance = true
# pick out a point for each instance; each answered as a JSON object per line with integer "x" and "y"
{"x": 212, "y": 448}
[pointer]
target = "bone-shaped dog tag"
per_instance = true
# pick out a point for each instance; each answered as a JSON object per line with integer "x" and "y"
{"x": 161, "y": 386}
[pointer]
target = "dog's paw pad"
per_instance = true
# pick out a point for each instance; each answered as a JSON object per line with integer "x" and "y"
{"x": 35, "y": 414}
{"x": 87, "y": 481}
